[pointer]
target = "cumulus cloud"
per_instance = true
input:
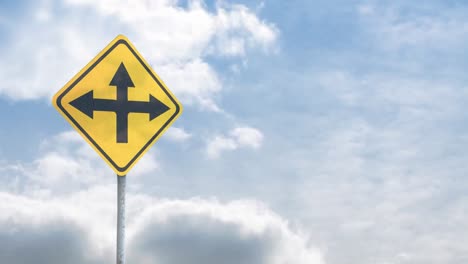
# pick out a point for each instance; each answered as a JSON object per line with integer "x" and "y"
{"x": 185, "y": 33}
{"x": 173, "y": 38}
{"x": 210, "y": 232}
{"x": 55, "y": 242}
{"x": 246, "y": 137}
{"x": 59, "y": 217}
{"x": 67, "y": 163}
{"x": 219, "y": 144}
{"x": 177, "y": 134}
{"x": 195, "y": 81}
{"x": 79, "y": 228}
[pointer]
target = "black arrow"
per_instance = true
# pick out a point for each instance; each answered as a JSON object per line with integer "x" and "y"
{"x": 87, "y": 104}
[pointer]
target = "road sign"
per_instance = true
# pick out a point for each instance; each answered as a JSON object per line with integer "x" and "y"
{"x": 118, "y": 104}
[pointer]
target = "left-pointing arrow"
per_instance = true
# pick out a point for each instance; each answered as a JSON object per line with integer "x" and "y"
{"x": 87, "y": 104}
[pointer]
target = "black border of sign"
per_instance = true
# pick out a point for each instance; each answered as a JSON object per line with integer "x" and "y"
{"x": 60, "y": 97}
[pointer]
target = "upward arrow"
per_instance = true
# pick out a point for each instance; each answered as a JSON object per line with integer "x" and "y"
{"x": 87, "y": 104}
{"x": 123, "y": 81}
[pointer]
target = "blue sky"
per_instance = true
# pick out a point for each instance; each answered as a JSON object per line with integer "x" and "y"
{"x": 312, "y": 132}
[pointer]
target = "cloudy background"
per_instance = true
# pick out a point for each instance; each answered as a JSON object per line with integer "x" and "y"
{"x": 313, "y": 132}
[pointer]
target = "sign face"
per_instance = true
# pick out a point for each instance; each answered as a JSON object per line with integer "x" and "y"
{"x": 118, "y": 104}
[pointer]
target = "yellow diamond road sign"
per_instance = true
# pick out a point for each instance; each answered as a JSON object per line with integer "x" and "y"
{"x": 118, "y": 104}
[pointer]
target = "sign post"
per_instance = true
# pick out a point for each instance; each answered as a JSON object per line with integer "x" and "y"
{"x": 121, "y": 107}
{"x": 121, "y": 182}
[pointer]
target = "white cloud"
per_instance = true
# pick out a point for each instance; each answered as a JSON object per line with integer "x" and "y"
{"x": 68, "y": 163}
{"x": 238, "y": 137}
{"x": 376, "y": 90}
{"x": 207, "y": 231}
{"x": 177, "y": 134}
{"x": 186, "y": 33}
{"x": 393, "y": 29}
{"x": 57, "y": 209}
{"x": 365, "y": 9}
{"x": 195, "y": 82}
{"x": 239, "y": 29}
{"x": 147, "y": 164}
{"x": 219, "y": 144}
{"x": 247, "y": 137}
{"x": 43, "y": 54}
{"x": 211, "y": 232}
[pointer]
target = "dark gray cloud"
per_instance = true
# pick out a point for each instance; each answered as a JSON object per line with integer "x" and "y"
{"x": 55, "y": 242}
{"x": 200, "y": 231}
{"x": 200, "y": 239}
{"x": 80, "y": 229}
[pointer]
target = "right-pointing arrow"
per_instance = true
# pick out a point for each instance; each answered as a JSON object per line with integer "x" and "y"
{"x": 157, "y": 108}
{"x": 87, "y": 104}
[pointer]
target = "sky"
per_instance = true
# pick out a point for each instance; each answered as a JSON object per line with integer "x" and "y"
{"x": 313, "y": 132}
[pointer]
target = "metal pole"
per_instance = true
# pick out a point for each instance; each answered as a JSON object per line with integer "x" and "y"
{"x": 121, "y": 219}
